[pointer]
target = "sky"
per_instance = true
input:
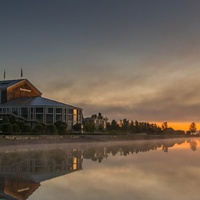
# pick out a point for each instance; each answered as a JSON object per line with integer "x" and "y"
{"x": 133, "y": 59}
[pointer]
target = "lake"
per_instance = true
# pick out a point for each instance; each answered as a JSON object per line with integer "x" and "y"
{"x": 140, "y": 170}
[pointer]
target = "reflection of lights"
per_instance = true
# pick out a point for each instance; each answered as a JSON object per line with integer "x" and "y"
{"x": 74, "y": 163}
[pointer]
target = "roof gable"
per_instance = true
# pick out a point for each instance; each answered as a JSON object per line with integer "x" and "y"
{"x": 7, "y": 83}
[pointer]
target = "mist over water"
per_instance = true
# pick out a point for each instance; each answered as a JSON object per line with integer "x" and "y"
{"x": 149, "y": 169}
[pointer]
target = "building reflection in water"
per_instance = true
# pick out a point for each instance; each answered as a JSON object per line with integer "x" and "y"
{"x": 22, "y": 172}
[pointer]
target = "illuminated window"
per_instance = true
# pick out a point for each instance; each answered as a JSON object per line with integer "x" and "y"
{"x": 74, "y": 163}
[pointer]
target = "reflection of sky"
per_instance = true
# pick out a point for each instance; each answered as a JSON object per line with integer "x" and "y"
{"x": 150, "y": 175}
{"x": 131, "y": 59}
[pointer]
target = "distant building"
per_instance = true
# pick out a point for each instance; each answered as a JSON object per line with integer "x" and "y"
{"x": 97, "y": 122}
{"x": 23, "y": 100}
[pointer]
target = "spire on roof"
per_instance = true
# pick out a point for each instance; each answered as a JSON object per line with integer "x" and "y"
{"x": 4, "y": 75}
{"x": 21, "y": 72}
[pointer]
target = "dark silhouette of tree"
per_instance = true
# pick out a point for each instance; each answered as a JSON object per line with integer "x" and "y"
{"x": 192, "y": 127}
{"x": 125, "y": 125}
{"x": 100, "y": 116}
{"x": 164, "y": 125}
{"x": 114, "y": 125}
{"x": 137, "y": 129}
{"x": 94, "y": 116}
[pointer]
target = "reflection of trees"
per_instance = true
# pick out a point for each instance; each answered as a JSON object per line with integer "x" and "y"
{"x": 98, "y": 153}
{"x": 193, "y": 145}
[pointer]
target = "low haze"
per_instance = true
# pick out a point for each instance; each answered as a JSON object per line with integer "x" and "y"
{"x": 134, "y": 59}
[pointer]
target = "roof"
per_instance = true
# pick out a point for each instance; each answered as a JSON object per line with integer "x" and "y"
{"x": 7, "y": 83}
{"x": 34, "y": 101}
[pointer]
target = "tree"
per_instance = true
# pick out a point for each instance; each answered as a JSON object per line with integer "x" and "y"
{"x": 90, "y": 127}
{"x": 114, "y": 125}
{"x": 125, "y": 125}
{"x": 94, "y": 116}
{"x": 192, "y": 127}
{"x": 100, "y": 116}
{"x": 164, "y": 125}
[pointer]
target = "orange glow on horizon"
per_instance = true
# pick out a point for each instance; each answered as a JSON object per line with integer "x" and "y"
{"x": 179, "y": 125}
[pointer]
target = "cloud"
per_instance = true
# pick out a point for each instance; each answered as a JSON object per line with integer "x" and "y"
{"x": 156, "y": 93}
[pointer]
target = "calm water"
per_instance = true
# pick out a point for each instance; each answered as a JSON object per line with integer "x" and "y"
{"x": 159, "y": 169}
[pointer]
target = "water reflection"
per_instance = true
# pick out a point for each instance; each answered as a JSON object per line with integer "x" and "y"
{"x": 22, "y": 172}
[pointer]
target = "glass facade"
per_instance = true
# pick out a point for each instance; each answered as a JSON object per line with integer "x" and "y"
{"x": 46, "y": 115}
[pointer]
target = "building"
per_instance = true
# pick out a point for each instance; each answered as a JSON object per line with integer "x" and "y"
{"x": 100, "y": 123}
{"x": 24, "y": 101}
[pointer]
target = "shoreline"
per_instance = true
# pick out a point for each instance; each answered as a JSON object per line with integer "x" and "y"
{"x": 10, "y": 140}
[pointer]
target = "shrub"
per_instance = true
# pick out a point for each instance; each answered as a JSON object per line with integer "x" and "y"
{"x": 62, "y": 129}
{"x": 6, "y": 128}
{"x": 16, "y": 128}
{"x": 39, "y": 128}
{"x": 77, "y": 127}
{"x": 26, "y": 128}
{"x": 60, "y": 123}
{"x": 51, "y": 129}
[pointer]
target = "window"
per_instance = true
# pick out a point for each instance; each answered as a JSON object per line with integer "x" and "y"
{"x": 24, "y": 113}
{"x": 50, "y": 110}
{"x": 8, "y": 110}
{"x": 75, "y": 112}
{"x": 39, "y": 110}
{"x": 15, "y": 111}
{"x": 70, "y": 117}
{"x": 58, "y": 117}
{"x": 70, "y": 111}
{"x": 58, "y": 110}
{"x": 49, "y": 118}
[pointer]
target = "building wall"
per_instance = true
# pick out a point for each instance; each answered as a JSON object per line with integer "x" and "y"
{"x": 22, "y": 89}
{"x": 47, "y": 115}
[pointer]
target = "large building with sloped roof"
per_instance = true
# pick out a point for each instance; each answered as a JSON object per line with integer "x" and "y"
{"x": 23, "y": 100}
